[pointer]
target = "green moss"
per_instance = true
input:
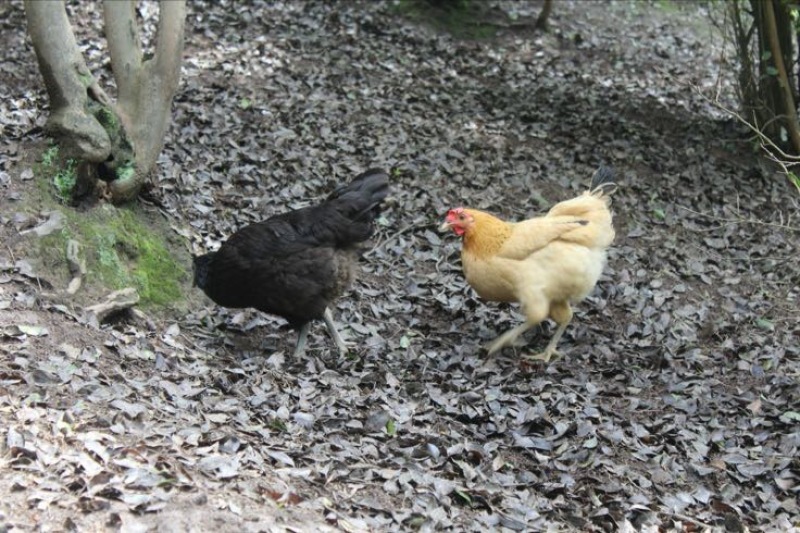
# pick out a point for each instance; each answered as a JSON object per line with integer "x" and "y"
{"x": 86, "y": 79}
{"x": 107, "y": 118}
{"x": 60, "y": 172}
{"x": 64, "y": 180}
{"x": 668, "y": 6}
{"x": 125, "y": 171}
{"x": 122, "y": 246}
{"x": 120, "y": 251}
{"x": 50, "y": 156}
{"x": 122, "y": 163}
{"x": 129, "y": 254}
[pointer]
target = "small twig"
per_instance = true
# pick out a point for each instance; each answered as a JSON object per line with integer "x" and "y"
{"x": 734, "y": 221}
{"x": 578, "y": 394}
{"x": 11, "y": 253}
{"x": 413, "y": 225}
{"x": 785, "y": 161}
{"x": 762, "y": 137}
{"x": 685, "y": 518}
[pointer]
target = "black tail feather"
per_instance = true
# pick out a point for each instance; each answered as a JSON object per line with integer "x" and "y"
{"x": 364, "y": 194}
{"x": 603, "y": 179}
{"x": 373, "y": 182}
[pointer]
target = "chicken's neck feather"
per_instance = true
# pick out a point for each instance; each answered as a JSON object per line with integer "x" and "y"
{"x": 486, "y": 235}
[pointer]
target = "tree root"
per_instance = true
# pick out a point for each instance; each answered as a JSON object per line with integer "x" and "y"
{"x": 115, "y": 302}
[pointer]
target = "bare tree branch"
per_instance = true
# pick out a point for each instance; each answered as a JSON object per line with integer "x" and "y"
{"x": 55, "y": 45}
{"x": 739, "y": 219}
{"x": 782, "y": 159}
{"x": 169, "y": 46}
{"x": 67, "y": 78}
{"x": 124, "y": 45}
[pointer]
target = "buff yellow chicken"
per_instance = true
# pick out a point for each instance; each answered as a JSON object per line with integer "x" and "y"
{"x": 546, "y": 263}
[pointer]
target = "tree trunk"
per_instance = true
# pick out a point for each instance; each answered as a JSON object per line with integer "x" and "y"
{"x": 121, "y": 141}
{"x": 774, "y": 37}
{"x": 747, "y": 79}
{"x": 146, "y": 88}
{"x": 544, "y": 14}
{"x": 772, "y": 102}
{"x": 768, "y": 105}
{"x": 785, "y": 29}
{"x": 67, "y": 79}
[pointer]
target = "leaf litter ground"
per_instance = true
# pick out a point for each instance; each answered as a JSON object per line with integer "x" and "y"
{"x": 675, "y": 407}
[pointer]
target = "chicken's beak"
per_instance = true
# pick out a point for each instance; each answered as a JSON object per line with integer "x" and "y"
{"x": 445, "y": 226}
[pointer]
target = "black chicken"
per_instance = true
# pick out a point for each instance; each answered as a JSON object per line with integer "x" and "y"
{"x": 296, "y": 264}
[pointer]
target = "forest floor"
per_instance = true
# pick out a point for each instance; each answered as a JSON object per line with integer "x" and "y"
{"x": 675, "y": 407}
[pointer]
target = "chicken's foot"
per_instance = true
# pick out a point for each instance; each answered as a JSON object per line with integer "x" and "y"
{"x": 340, "y": 344}
{"x": 544, "y": 356}
{"x": 550, "y": 350}
{"x": 302, "y": 337}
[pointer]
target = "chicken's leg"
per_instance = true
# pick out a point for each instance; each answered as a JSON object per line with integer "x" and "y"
{"x": 302, "y": 336}
{"x": 535, "y": 312}
{"x": 340, "y": 345}
{"x": 562, "y": 314}
{"x": 508, "y": 338}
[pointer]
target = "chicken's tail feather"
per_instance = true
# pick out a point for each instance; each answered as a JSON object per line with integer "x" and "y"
{"x": 369, "y": 182}
{"x": 603, "y": 183}
{"x": 364, "y": 194}
{"x": 352, "y": 209}
{"x": 201, "y": 265}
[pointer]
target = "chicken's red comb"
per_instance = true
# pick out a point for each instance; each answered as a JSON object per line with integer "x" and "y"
{"x": 455, "y": 211}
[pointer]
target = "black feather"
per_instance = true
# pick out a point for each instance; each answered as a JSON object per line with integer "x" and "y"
{"x": 297, "y": 263}
{"x": 603, "y": 176}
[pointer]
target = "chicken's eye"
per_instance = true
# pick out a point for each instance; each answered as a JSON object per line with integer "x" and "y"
{"x": 461, "y": 216}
